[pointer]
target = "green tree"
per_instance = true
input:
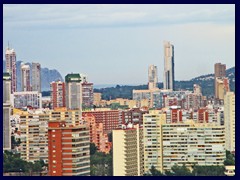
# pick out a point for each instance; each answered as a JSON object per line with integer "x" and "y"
{"x": 181, "y": 170}
{"x": 230, "y": 159}
{"x": 208, "y": 171}
{"x": 93, "y": 148}
{"x": 154, "y": 172}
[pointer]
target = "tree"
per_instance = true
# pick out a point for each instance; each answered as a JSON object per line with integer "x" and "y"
{"x": 93, "y": 148}
{"x": 154, "y": 172}
{"x": 181, "y": 170}
{"x": 208, "y": 171}
{"x": 230, "y": 159}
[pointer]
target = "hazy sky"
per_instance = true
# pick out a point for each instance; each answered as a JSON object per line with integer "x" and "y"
{"x": 115, "y": 44}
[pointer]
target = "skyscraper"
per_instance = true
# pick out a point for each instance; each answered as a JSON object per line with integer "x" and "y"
{"x": 25, "y": 77}
{"x": 219, "y": 71}
{"x": 168, "y": 82}
{"x": 73, "y": 91}
{"x": 10, "y": 56}
{"x": 6, "y": 111}
{"x": 36, "y": 77}
{"x": 152, "y": 77}
{"x": 221, "y": 87}
{"x": 128, "y": 151}
{"x": 58, "y": 94}
{"x": 68, "y": 149}
{"x": 229, "y": 120}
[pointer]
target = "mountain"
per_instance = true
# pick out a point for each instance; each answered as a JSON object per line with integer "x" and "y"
{"x": 47, "y": 76}
{"x": 205, "y": 81}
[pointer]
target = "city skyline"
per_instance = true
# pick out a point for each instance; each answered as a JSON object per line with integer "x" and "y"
{"x": 111, "y": 43}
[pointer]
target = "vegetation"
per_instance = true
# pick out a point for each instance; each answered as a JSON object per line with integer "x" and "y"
{"x": 153, "y": 172}
{"x": 13, "y": 163}
{"x": 184, "y": 171}
{"x": 101, "y": 163}
{"x": 15, "y": 143}
{"x": 230, "y": 159}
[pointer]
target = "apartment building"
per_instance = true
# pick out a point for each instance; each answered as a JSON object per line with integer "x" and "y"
{"x": 128, "y": 151}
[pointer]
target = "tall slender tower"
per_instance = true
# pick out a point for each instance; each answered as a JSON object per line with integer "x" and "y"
{"x": 36, "y": 77}
{"x": 73, "y": 91}
{"x": 25, "y": 76}
{"x": 168, "y": 82}
{"x": 10, "y": 56}
{"x": 152, "y": 77}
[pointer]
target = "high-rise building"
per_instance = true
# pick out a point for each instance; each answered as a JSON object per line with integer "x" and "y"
{"x": 58, "y": 94}
{"x": 219, "y": 72}
{"x": 73, "y": 91}
{"x": 87, "y": 94}
{"x": 152, "y": 77}
{"x": 97, "y": 97}
{"x": 189, "y": 143}
{"x": 128, "y": 151}
{"x": 222, "y": 87}
{"x": 34, "y": 136}
{"x": 152, "y": 139}
{"x": 25, "y": 77}
{"x": 6, "y": 111}
{"x": 11, "y": 68}
{"x": 109, "y": 118}
{"x": 36, "y": 77}
{"x": 192, "y": 143}
{"x": 68, "y": 149}
{"x": 168, "y": 82}
{"x": 97, "y": 135}
{"x": 29, "y": 98}
{"x": 229, "y": 120}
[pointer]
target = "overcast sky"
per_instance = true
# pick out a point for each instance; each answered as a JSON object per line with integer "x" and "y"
{"x": 115, "y": 44}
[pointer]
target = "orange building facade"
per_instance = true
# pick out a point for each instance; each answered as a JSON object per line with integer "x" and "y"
{"x": 68, "y": 149}
{"x": 97, "y": 135}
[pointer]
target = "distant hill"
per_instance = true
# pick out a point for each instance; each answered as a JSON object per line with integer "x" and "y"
{"x": 205, "y": 81}
{"x": 47, "y": 76}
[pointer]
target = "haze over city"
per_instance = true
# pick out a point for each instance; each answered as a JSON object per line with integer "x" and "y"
{"x": 116, "y": 43}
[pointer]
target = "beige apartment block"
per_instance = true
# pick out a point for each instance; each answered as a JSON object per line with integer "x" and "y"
{"x": 229, "y": 120}
{"x": 128, "y": 151}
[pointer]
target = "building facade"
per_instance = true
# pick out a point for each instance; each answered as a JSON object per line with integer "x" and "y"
{"x": 87, "y": 94}
{"x": 229, "y": 120}
{"x": 128, "y": 151}
{"x": 29, "y": 98}
{"x": 11, "y": 68}
{"x": 152, "y": 77}
{"x": 73, "y": 91}
{"x": 25, "y": 77}
{"x": 109, "y": 118}
{"x": 219, "y": 72}
{"x": 68, "y": 149}
{"x": 58, "y": 94}
{"x": 34, "y": 136}
{"x": 6, "y": 111}
{"x": 168, "y": 82}
{"x": 192, "y": 143}
{"x": 222, "y": 87}
{"x": 97, "y": 135}
{"x": 36, "y": 77}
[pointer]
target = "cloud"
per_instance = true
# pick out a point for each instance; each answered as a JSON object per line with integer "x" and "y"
{"x": 70, "y": 16}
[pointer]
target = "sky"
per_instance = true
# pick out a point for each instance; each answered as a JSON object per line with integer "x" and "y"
{"x": 115, "y": 44}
